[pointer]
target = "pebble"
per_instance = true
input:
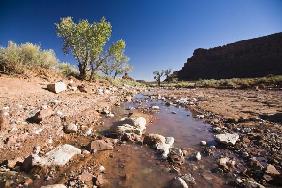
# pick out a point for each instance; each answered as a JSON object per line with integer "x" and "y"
{"x": 198, "y": 156}
{"x": 102, "y": 168}
{"x": 203, "y": 143}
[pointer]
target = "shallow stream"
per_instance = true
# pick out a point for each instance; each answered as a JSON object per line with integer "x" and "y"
{"x": 138, "y": 166}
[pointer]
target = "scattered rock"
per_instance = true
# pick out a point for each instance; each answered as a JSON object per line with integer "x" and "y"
{"x": 223, "y": 162}
{"x": 203, "y": 143}
{"x": 99, "y": 180}
{"x": 159, "y": 142}
{"x": 100, "y": 145}
{"x": 42, "y": 114}
{"x": 82, "y": 88}
{"x": 57, "y": 87}
{"x": 178, "y": 182}
{"x": 86, "y": 177}
{"x": 198, "y": 156}
{"x": 250, "y": 183}
{"x": 71, "y": 128}
{"x": 28, "y": 182}
{"x": 102, "y": 168}
{"x": 56, "y": 157}
{"x": 155, "y": 108}
{"x": 188, "y": 178}
{"x": 128, "y": 126}
{"x": 200, "y": 116}
{"x": 227, "y": 138}
{"x": 271, "y": 170}
{"x": 176, "y": 156}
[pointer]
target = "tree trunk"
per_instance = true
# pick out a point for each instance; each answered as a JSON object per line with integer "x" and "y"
{"x": 82, "y": 71}
{"x": 159, "y": 82}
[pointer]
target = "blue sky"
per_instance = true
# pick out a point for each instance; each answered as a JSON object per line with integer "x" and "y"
{"x": 160, "y": 34}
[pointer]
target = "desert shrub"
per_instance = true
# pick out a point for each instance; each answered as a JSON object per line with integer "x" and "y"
{"x": 67, "y": 69}
{"x": 18, "y": 58}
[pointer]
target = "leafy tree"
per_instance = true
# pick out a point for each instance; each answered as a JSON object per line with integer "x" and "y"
{"x": 116, "y": 60}
{"x": 158, "y": 75}
{"x": 85, "y": 41}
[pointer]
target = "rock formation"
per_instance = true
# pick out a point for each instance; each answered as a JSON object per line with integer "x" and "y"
{"x": 247, "y": 58}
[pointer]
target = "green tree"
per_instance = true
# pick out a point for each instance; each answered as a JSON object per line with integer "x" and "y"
{"x": 116, "y": 60}
{"x": 157, "y": 76}
{"x": 85, "y": 41}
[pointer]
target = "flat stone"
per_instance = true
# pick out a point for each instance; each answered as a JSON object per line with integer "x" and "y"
{"x": 227, "y": 138}
{"x": 100, "y": 145}
{"x": 56, "y": 157}
{"x": 271, "y": 170}
{"x": 57, "y": 87}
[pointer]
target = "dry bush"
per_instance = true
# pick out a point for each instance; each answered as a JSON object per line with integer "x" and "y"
{"x": 16, "y": 59}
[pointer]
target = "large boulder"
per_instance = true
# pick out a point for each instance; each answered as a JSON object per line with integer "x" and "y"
{"x": 227, "y": 138}
{"x": 57, "y": 87}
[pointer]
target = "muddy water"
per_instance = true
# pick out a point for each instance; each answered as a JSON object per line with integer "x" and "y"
{"x": 139, "y": 166}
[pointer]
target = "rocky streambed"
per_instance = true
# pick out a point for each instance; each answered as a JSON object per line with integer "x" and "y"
{"x": 151, "y": 140}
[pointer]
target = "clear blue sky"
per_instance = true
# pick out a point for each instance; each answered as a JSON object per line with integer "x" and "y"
{"x": 160, "y": 34}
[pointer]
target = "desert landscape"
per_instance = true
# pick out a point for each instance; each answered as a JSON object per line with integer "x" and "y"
{"x": 216, "y": 122}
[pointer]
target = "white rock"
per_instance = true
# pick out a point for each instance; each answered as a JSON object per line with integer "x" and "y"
{"x": 110, "y": 115}
{"x": 155, "y": 107}
{"x": 200, "y": 116}
{"x": 203, "y": 143}
{"x": 71, "y": 128}
{"x": 59, "y": 156}
{"x": 88, "y": 132}
{"x": 227, "y": 138}
{"x": 57, "y": 87}
{"x": 198, "y": 156}
{"x": 160, "y": 143}
{"x": 102, "y": 168}
{"x": 60, "y": 114}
